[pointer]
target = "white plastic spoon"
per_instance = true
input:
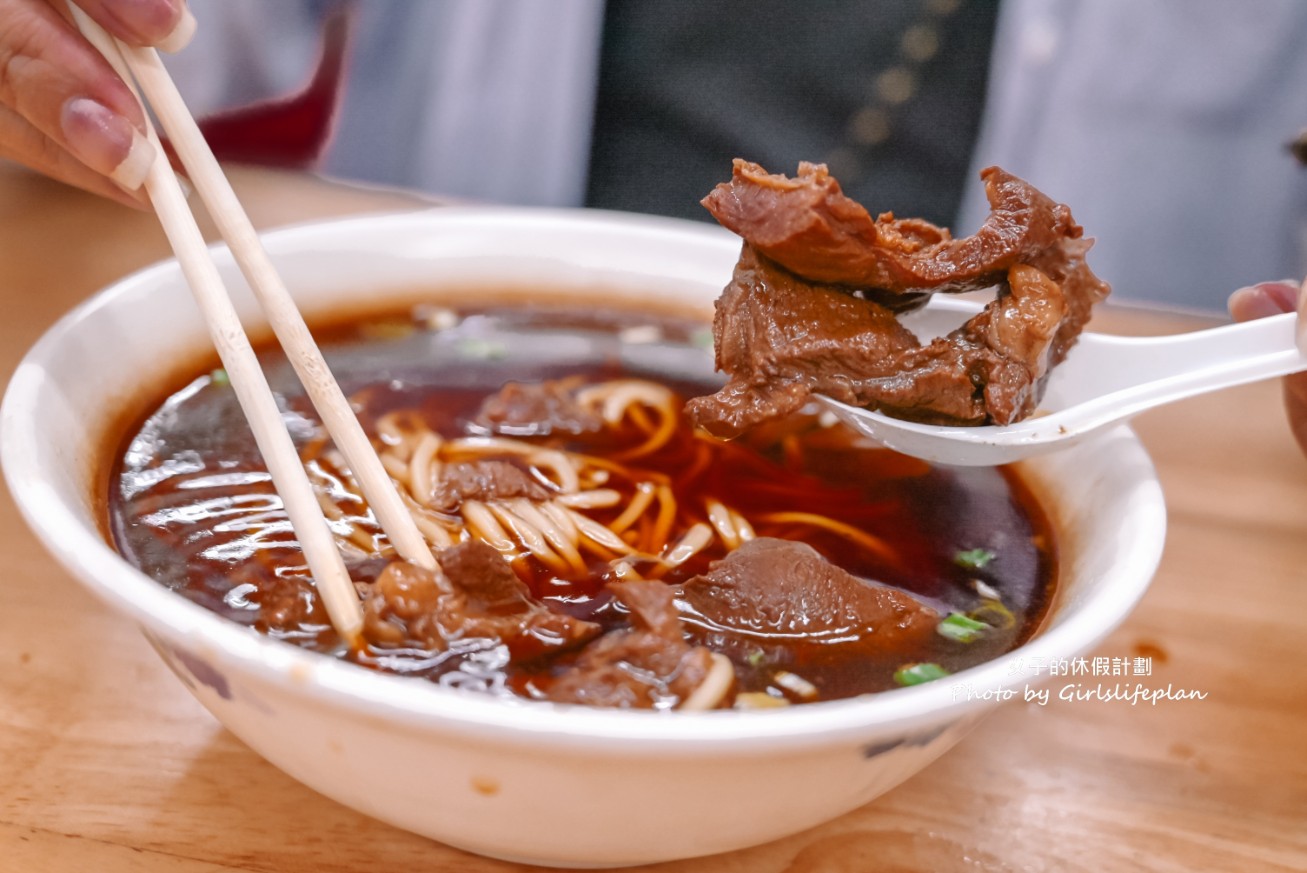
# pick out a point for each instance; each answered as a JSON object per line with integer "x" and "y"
{"x": 1104, "y": 380}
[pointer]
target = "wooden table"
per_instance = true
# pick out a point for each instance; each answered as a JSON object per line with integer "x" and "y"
{"x": 107, "y": 764}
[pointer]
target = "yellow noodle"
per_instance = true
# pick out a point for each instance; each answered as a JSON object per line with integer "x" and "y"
{"x": 388, "y": 429}
{"x": 662, "y": 529}
{"x": 624, "y": 571}
{"x": 640, "y": 417}
{"x": 434, "y": 532}
{"x": 329, "y": 506}
{"x": 743, "y": 529}
{"x": 565, "y": 476}
{"x": 644, "y": 495}
{"x": 593, "y": 478}
{"x": 693, "y": 541}
{"x": 596, "y": 498}
{"x": 702, "y": 456}
{"x": 560, "y": 538}
{"x": 555, "y": 513}
{"x": 714, "y": 687}
{"x": 362, "y": 539}
{"x": 792, "y": 452}
{"x": 625, "y": 392}
{"x": 871, "y": 543}
{"x": 666, "y": 428}
{"x": 424, "y": 467}
{"x": 597, "y": 533}
{"x": 560, "y": 516}
{"x": 621, "y": 469}
{"x": 432, "y": 527}
{"x": 619, "y": 401}
{"x": 397, "y": 469}
{"x": 529, "y": 536}
{"x": 485, "y": 527}
{"x": 720, "y": 517}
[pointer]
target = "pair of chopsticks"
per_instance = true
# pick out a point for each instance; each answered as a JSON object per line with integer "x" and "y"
{"x": 233, "y": 346}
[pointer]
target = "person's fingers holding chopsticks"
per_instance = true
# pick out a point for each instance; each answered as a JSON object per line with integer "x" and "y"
{"x": 66, "y": 113}
{"x": 168, "y": 25}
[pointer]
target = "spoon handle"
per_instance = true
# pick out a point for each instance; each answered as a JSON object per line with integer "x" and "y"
{"x": 1147, "y": 371}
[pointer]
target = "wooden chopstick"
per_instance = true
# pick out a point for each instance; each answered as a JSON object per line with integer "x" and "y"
{"x": 247, "y": 377}
{"x": 284, "y": 317}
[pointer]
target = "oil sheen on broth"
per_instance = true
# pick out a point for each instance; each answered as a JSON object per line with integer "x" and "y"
{"x": 966, "y": 549}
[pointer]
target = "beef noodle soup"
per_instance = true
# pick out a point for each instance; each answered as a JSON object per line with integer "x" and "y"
{"x": 593, "y": 546}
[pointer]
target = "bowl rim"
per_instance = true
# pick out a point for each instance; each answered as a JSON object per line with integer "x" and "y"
{"x": 424, "y": 707}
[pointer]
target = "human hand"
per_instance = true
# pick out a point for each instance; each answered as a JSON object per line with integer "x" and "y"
{"x": 1276, "y": 298}
{"x": 63, "y": 110}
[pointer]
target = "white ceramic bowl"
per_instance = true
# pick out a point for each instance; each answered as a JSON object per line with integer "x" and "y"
{"x": 504, "y": 779}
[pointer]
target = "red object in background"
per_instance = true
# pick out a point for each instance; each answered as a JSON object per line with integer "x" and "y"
{"x": 290, "y": 132}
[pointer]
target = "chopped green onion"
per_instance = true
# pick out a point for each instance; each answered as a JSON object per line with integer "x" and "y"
{"x": 974, "y": 559}
{"x": 219, "y": 377}
{"x": 755, "y": 658}
{"x": 916, "y": 674}
{"x": 482, "y": 349}
{"x": 962, "y": 628}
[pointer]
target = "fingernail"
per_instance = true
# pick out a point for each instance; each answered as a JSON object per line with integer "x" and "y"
{"x": 106, "y": 142}
{"x": 181, "y": 34}
{"x": 1254, "y": 302}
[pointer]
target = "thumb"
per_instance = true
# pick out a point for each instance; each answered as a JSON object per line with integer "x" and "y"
{"x": 1276, "y": 298}
{"x": 1264, "y": 300}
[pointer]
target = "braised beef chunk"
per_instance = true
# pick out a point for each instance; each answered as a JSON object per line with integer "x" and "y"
{"x": 477, "y": 596}
{"x": 780, "y": 338}
{"x": 770, "y": 592}
{"x": 649, "y": 666}
{"x": 990, "y": 370}
{"x": 805, "y": 310}
{"x": 808, "y": 226}
{"x": 484, "y": 480}
{"x": 484, "y": 577}
{"x": 536, "y": 409}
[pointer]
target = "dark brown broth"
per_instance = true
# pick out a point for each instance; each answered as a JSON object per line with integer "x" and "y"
{"x": 192, "y": 506}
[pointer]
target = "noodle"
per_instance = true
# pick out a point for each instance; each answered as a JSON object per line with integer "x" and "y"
{"x": 528, "y": 535}
{"x": 485, "y": 527}
{"x": 598, "y": 498}
{"x": 597, "y": 505}
{"x": 644, "y": 495}
{"x": 423, "y": 468}
{"x": 693, "y": 541}
{"x": 555, "y": 531}
{"x": 872, "y": 544}
{"x": 720, "y": 518}
{"x": 595, "y": 532}
{"x": 561, "y": 539}
{"x": 714, "y": 686}
{"x": 662, "y": 528}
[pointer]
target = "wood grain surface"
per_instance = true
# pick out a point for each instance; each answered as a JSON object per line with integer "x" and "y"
{"x": 107, "y": 764}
